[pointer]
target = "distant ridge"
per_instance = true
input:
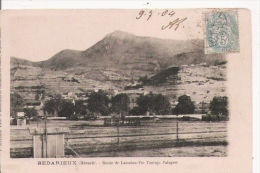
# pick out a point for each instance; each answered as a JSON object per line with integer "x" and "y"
{"x": 127, "y": 51}
{"x": 18, "y": 61}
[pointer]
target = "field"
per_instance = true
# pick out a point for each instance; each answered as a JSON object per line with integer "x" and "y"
{"x": 153, "y": 138}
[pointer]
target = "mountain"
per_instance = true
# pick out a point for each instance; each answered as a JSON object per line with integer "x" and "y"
{"x": 16, "y": 61}
{"x": 123, "y": 50}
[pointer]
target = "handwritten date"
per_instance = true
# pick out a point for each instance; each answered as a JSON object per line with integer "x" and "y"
{"x": 175, "y": 22}
{"x": 142, "y": 12}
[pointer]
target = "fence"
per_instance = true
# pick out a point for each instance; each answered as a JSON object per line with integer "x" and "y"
{"x": 91, "y": 139}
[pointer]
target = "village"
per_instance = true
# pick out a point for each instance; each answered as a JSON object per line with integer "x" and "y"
{"x": 36, "y": 85}
{"x": 88, "y": 104}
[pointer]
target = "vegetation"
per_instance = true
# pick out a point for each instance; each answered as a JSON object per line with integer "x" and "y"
{"x": 143, "y": 79}
{"x": 38, "y": 87}
{"x": 184, "y": 106}
{"x": 133, "y": 87}
{"x": 31, "y": 113}
{"x": 137, "y": 111}
{"x": 218, "y": 110}
{"x": 16, "y": 104}
{"x": 98, "y": 103}
{"x": 54, "y": 105}
{"x": 49, "y": 107}
{"x": 40, "y": 95}
{"x": 67, "y": 110}
{"x": 219, "y": 106}
{"x": 120, "y": 103}
{"x": 210, "y": 117}
{"x": 80, "y": 108}
{"x": 220, "y": 63}
{"x": 153, "y": 103}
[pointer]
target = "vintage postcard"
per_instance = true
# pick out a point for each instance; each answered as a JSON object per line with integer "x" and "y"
{"x": 124, "y": 90}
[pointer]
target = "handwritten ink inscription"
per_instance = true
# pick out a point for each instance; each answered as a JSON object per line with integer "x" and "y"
{"x": 176, "y": 22}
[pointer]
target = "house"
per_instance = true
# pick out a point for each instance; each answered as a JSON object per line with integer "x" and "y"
{"x": 38, "y": 105}
{"x": 68, "y": 95}
{"x": 34, "y": 104}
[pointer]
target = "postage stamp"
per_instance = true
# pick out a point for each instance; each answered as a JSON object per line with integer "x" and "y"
{"x": 221, "y": 32}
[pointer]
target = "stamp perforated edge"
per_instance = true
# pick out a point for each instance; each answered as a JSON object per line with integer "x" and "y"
{"x": 214, "y": 10}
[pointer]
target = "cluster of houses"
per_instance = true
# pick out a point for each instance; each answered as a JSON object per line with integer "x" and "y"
{"x": 76, "y": 87}
{"x": 73, "y": 95}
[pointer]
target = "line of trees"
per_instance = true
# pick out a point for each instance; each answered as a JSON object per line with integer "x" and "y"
{"x": 99, "y": 103}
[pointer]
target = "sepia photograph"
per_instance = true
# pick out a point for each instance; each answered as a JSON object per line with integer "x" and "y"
{"x": 147, "y": 89}
{"x": 85, "y": 90}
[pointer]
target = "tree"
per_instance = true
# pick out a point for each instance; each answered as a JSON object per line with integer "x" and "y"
{"x": 185, "y": 106}
{"x": 219, "y": 106}
{"x": 136, "y": 111}
{"x": 16, "y": 104}
{"x": 37, "y": 96}
{"x": 145, "y": 103}
{"x": 120, "y": 102}
{"x": 98, "y": 102}
{"x": 58, "y": 100}
{"x": 54, "y": 105}
{"x": 154, "y": 103}
{"x": 40, "y": 95}
{"x": 80, "y": 108}
{"x": 59, "y": 107}
{"x": 143, "y": 79}
{"x": 31, "y": 112}
{"x": 48, "y": 107}
{"x": 162, "y": 105}
{"x": 67, "y": 110}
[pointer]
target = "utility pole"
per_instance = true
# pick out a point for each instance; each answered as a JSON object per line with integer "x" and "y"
{"x": 37, "y": 120}
{"x": 45, "y": 128}
{"x": 118, "y": 122}
{"x": 117, "y": 134}
{"x": 177, "y": 129}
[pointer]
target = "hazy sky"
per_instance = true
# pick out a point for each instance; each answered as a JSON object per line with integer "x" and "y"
{"x": 38, "y": 35}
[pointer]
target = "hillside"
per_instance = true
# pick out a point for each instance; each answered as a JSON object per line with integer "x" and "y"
{"x": 126, "y": 51}
{"x": 15, "y": 61}
{"x": 168, "y": 75}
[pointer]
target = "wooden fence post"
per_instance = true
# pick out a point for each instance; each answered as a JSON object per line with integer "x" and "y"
{"x": 177, "y": 130}
{"x": 117, "y": 134}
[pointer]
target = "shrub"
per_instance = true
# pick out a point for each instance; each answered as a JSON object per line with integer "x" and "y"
{"x": 223, "y": 118}
{"x": 13, "y": 122}
{"x": 186, "y": 118}
{"x": 210, "y": 117}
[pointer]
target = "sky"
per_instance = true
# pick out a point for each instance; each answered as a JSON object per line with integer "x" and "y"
{"x": 38, "y": 35}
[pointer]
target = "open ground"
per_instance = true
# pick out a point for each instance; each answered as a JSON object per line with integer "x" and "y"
{"x": 153, "y": 138}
